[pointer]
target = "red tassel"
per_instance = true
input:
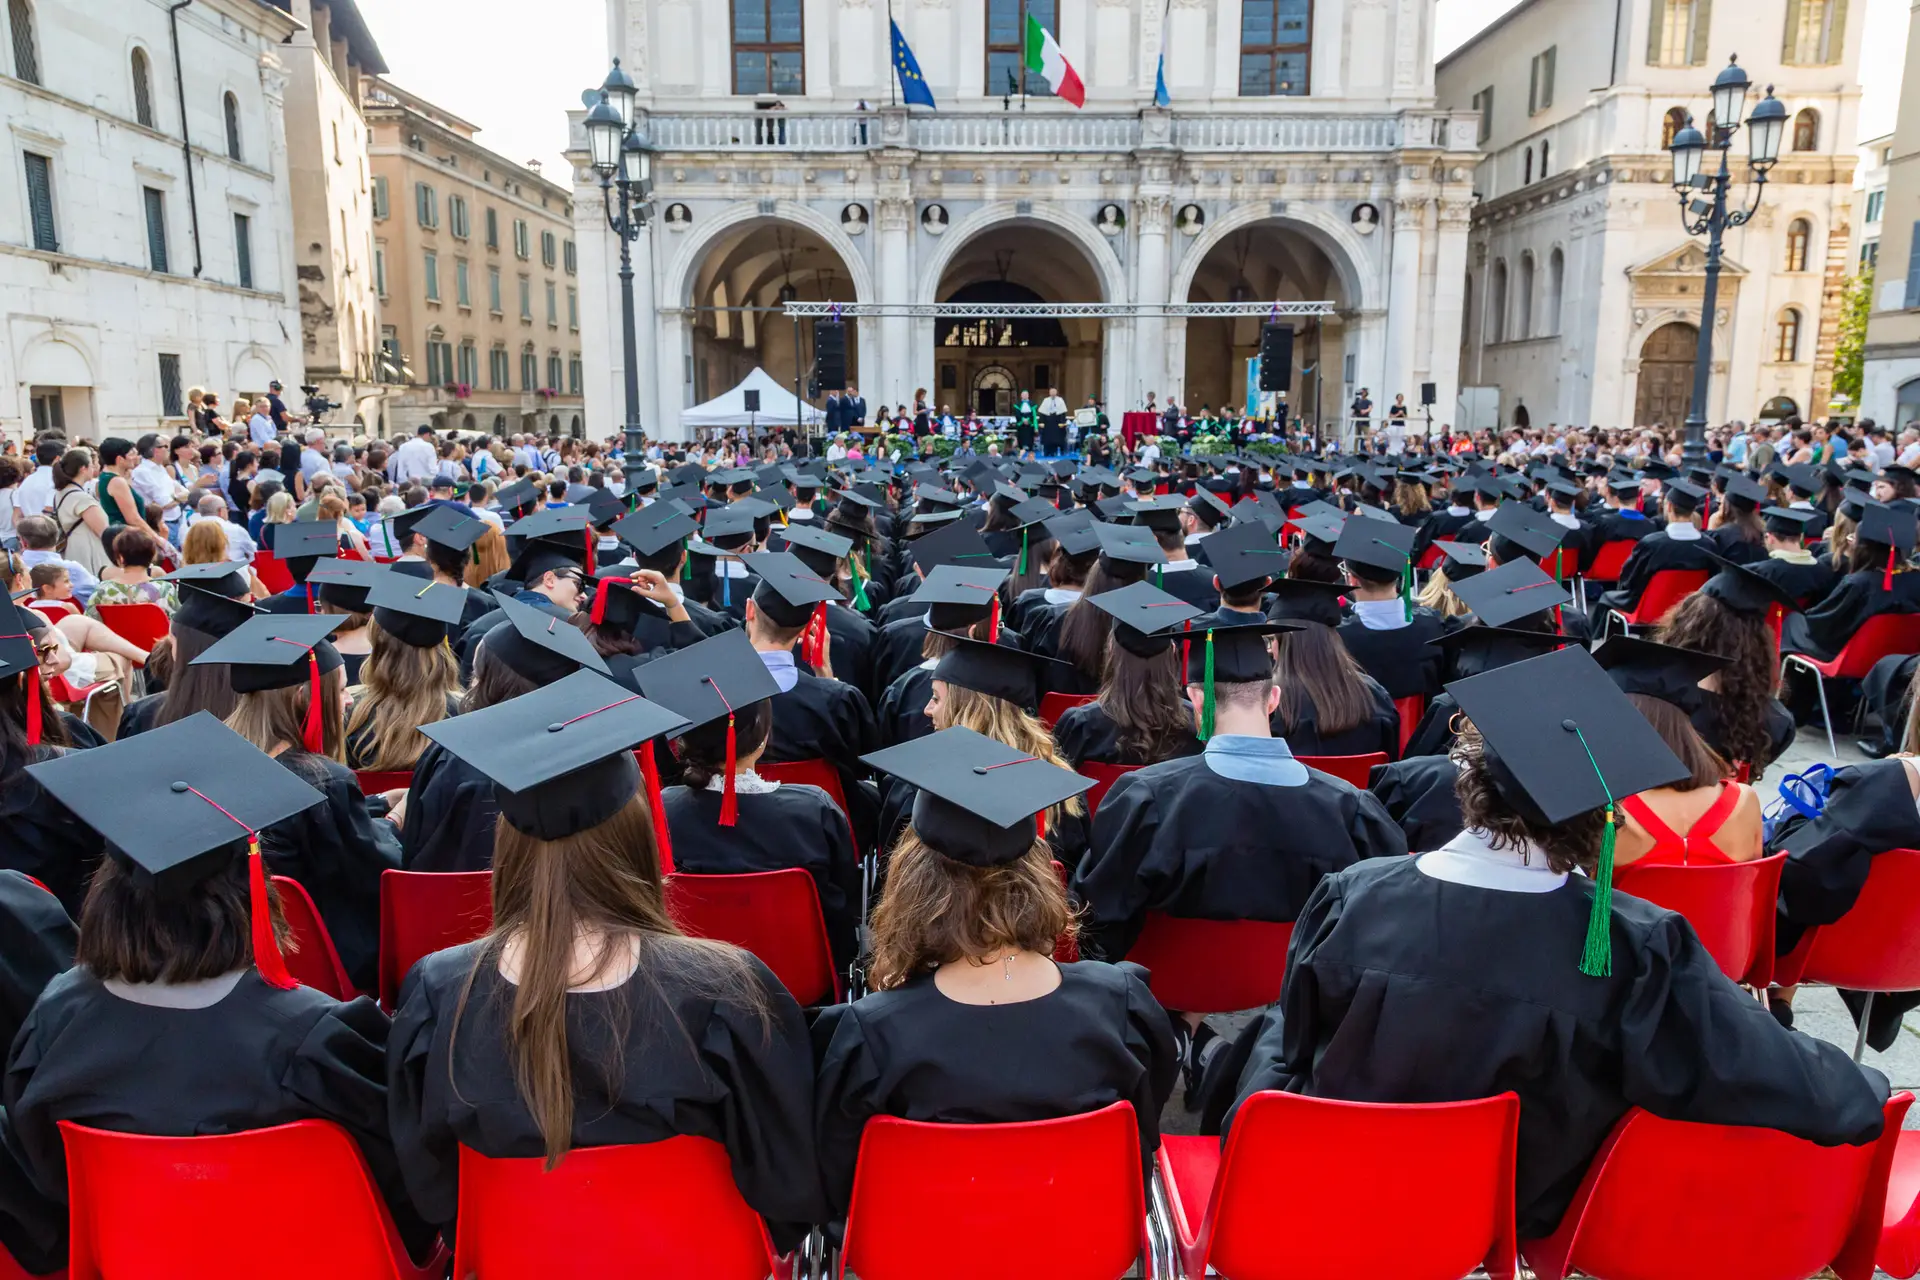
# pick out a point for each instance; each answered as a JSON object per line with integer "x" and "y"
{"x": 600, "y": 597}
{"x": 1040, "y": 825}
{"x": 993, "y": 620}
{"x": 591, "y": 539}
{"x": 729, "y": 798}
{"x": 1886, "y": 582}
{"x": 266, "y": 951}
{"x": 33, "y": 707}
{"x": 650, "y": 775}
{"x": 313, "y": 734}
{"x": 815, "y": 640}
{"x": 1186, "y": 650}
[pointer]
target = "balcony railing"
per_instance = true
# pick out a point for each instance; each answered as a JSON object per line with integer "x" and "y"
{"x": 766, "y": 131}
{"x": 1286, "y": 133}
{"x": 1019, "y": 131}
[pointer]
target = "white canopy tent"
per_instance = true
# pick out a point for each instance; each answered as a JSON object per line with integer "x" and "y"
{"x": 729, "y": 409}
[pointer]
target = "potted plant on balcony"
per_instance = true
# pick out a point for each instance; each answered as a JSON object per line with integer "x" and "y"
{"x": 459, "y": 392}
{"x": 546, "y": 393}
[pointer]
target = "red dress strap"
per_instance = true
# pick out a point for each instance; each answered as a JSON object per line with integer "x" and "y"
{"x": 1695, "y": 846}
{"x": 1700, "y": 845}
{"x": 1668, "y": 844}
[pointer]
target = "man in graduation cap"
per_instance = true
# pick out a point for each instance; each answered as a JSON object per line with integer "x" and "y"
{"x": 1387, "y": 634}
{"x": 657, "y": 538}
{"x": 1492, "y": 964}
{"x": 1788, "y": 563}
{"x": 1178, "y": 573}
{"x": 1620, "y": 519}
{"x": 550, "y": 571}
{"x": 1678, "y": 545}
{"x": 1519, "y": 533}
{"x": 1242, "y": 831}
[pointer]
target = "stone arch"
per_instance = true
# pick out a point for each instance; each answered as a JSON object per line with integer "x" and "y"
{"x": 684, "y": 268}
{"x": 1100, "y": 254}
{"x": 56, "y": 360}
{"x": 1344, "y": 248}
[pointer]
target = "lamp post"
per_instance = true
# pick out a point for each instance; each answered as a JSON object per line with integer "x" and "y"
{"x": 1707, "y": 211}
{"x": 624, "y": 160}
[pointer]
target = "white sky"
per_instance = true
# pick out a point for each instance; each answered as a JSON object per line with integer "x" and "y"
{"x": 465, "y": 57}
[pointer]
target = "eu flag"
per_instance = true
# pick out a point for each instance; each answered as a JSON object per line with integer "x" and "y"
{"x": 913, "y": 85}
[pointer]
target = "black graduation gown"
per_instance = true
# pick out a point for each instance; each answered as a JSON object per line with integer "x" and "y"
{"x": 1404, "y": 661}
{"x": 1194, "y": 585}
{"x": 896, "y": 650}
{"x": 822, "y": 719}
{"x": 1442, "y": 526}
{"x": 1180, "y": 838}
{"x": 1086, "y": 734}
{"x": 902, "y": 716}
{"x": 476, "y": 631}
{"x": 852, "y": 639}
{"x": 298, "y": 598}
{"x": 451, "y": 812}
{"x": 1380, "y": 731}
{"x": 726, "y": 1073}
{"x": 1097, "y": 1039}
{"x": 1885, "y": 689}
{"x": 1653, "y": 553}
{"x": 1067, "y": 833}
{"x": 1623, "y": 524}
{"x": 1824, "y": 629}
{"x": 1038, "y": 620}
{"x": 140, "y": 715}
{"x": 1405, "y": 988}
{"x": 40, "y": 837}
{"x": 337, "y": 851}
{"x": 1869, "y": 810}
{"x": 1418, "y": 794}
{"x": 1727, "y": 540}
{"x": 902, "y": 604}
{"x": 257, "y": 1058}
{"x": 1806, "y": 583}
{"x": 794, "y": 826}
{"x": 37, "y": 939}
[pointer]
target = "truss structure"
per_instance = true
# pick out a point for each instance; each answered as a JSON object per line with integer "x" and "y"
{"x": 1054, "y": 310}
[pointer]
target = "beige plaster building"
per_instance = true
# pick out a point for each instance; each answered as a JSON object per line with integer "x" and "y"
{"x": 476, "y": 272}
{"x": 1890, "y": 378}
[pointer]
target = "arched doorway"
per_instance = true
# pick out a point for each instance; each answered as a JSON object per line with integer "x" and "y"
{"x": 743, "y": 280}
{"x": 1264, "y": 262}
{"x": 1665, "y": 390}
{"x": 985, "y": 364}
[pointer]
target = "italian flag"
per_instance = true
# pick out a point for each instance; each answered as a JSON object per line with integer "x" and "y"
{"x": 1044, "y": 58}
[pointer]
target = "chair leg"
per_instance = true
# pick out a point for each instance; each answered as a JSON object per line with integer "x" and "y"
{"x": 1860, "y": 1040}
{"x": 1820, "y": 684}
{"x": 1163, "y": 1251}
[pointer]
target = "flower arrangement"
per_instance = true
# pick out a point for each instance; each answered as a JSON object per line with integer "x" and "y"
{"x": 546, "y": 393}
{"x": 459, "y": 390}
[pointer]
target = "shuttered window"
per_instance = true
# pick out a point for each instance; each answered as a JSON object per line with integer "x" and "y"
{"x": 40, "y": 202}
{"x": 156, "y": 202}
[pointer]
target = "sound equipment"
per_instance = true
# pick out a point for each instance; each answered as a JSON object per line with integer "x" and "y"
{"x": 830, "y": 354}
{"x": 1429, "y": 393}
{"x": 752, "y": 395}
{"x": 1276, "y": 357}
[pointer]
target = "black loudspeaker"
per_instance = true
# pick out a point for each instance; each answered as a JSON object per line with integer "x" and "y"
{"x": 830, "y": 354}
{"x": 1276, "y": 357}
{"x": 1429, "y": 393}
{"x": 752, "y": 395}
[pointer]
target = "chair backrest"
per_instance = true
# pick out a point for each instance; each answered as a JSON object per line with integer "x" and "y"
{"x": 294, "y": 1202}
{"x": 375, "y": 781}
{"x": 1666, "y": 589}
{"x": 53, "y": 610}
{"x": 1411, "y": 708}
{"x": 653, "y": 1209}
{"x": 774, "y": 914}
{"x": 1438, "y": 1179}
{"x": 1569, "y": 564}
{"x": 1730, "y": 905}
{"x": 142, "y": 625}
{"x": 808, "y": 773}
{"x": 1104, "y": 776}
{"x": 1354, "y": 769}
{"x": 314, "y": 962}
{"x": 1684, "y": 1193}
{"x": 1056, "y": 1198}
{"x": 1213, "y": 966}
{"x": 422, "y": 912}
{"x": 1055, "y": 705}
{"x": 272, "y": 572}
{"x": 1878, "y": 636}
{"x": 1429, "y": 558}
{"x": 1610, "y": 559}
{"x": 1875, "y": 946}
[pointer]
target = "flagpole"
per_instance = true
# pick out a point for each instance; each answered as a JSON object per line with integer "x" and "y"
{"x": 893, "y": 70}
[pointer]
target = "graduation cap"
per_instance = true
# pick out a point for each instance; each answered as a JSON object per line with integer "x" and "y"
{"x": 278, "y": 651}
{"x": 1143, "y": 475}
{"x": 996, "y": 670}
{"x": 957, "y": 598}
{"x": 1144, "y": 617}
{"x": 1372, "y": 548}
{"x": 1561, "y": 740}
{"x": 1802, "y": 477}
{"x": 1464, "y": 559}
{"x": 1655, "y": 469}
{"x": 1894, "y": 471}
{"x": 1244, "y": 553}
{"x": 816, "y": 547}
{"x": 1661, "y": 671}
{"x": 210, "y": 613}
{"x": 1303, "y": 600}
{"x": 640, "y": 479}
{"x": 1622, "y": 482}
{"x": 553, "y": 522}
{"x": 518, "y": 496}
{"x": 976, "y": 796}
{"x": 958, "y": 544}
{"x": 684, "y": 496}
{"x": 562, "y": 758}
{"x": 731, "y": 522}
{"x": 922, "y": 520}
{"x": 18, "y": 657}
{"x": 344, "y": 583}
{"x": 1161, "y": 514}
{"x": 1231, "y": 653}
{"x": 651, "y": 530}
{"x": 1323, "y": 529}
{"x": 1517, "y": 589}
{"x": 604, "y": 507}
{"x": 1684, "y": 497}
{"x": 178, "y": 803}
{"x": 721, "y": 676}
{"x": 421, "y": 614}
{"x": 1789, "y": 522}
{"x": 449, "y": 526}
{"x": 1739, "y": 588}
{"x": 1130, "y": 543}
{"x": 539, "y": 646}
{"x": 1746, "y": 491}
{"x": 938, "y": 497}
{"x": 226, "y": 578}
{"x": 791, "y": 594}
{"x": 688, "y": 473}
{"x": 403, "y": 525}
{"x": 1892, "y": 528}
{"x": 306, "y": 540}
{"x": 1115, "y": 510}
{"x": 1477, "y": 647}
{"x": 1075, "y": 532}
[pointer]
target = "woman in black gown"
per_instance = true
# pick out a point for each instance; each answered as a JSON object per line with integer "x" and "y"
{"x": 179, "y": 1018}
{"x": 1735, "y": 711}
{"x": 970, "y": 1019}
{"x": 1879, "y": 580}
{"x": 39, "y": 837}
{"x": 214, "y": 599}
{"x": 585, "y": 1018}
{"x": 1459, "y": 974}
{"x": 1141, "y": 715}
{"x": 1329, "y": 705}
{"x": 410, "y": 677}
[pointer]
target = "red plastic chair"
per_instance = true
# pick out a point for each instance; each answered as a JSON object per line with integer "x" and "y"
{"x": 315, "y": 962}
{"x": 1609, "y": 560}
{"x": 142, "y": 625}
{"x": 272, "y": 572}
{"x": 10, "y": 1269}
{"x": 294, "y": 1202}
{"x": 1665, "y": 1199}
{"x": 373, "y": 781}
{"x": 1665, "y": 589}
{"x": 1899, "y": 1252}
{"x": 774, "y": 914}
{"x": 1213, "y": 966}
{"x": 656, "y": 1209}
{"x": 1730, "y": 905}
{"x": 1411, "y": 708}
{"x": 1055, "y": 705}
{"x": 1354, "y": 769}
{"x": 1056, "y": 1198}
{"x": 54, "y": 610}
{"x": 1429, "y": 558}
{"x": 1280, "y": 1201}
{"x": 1875, "y": 946}
{"x": 422, "y": 912}
{"x": 809, "y": 773}
{"x": 1882, "y": 635}
{"x": 1104, "y": 776}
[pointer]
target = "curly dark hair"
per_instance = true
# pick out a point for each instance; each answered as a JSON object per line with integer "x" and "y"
{"x": 1703, "y": 623}
{"x": 1572, "y": 844}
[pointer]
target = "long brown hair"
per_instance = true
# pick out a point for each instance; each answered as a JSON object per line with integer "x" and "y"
{"x": 1704, "y": 765}
{"x": 546, "y": 893}
{"x": 1085, "y": 626}
{"x": 1316, "y": 674}
{"x": 272, "y": 718}
{"x": 935, "y": 910}
{"x": 205, "y": 687}
{"x": 1703, "y": 623}
{"x": 489, "y": 557}
{"x": 1144, "y": 698}
{"x": 131, "y": 931}
{"x": 403, "y": 687}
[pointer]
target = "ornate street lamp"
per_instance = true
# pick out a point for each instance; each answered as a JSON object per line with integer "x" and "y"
{"x": 624, "y": 161}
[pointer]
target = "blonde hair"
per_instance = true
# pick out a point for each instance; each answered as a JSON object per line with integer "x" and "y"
{"x": 1439, "y": 596}
{"x": 405, "y": 686}
{"x": 206, "y": 543}
{"x": 489, "y": 557}
{"x": 1002, "y": 721}
{"x": 272, "y": 718}
{"x": 280, "y": 508}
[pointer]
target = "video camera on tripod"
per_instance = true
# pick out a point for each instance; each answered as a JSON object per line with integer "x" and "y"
{"x": 318, "y": 405}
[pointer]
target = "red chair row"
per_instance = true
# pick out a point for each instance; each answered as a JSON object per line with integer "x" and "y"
{"x": 1880, "y": 636}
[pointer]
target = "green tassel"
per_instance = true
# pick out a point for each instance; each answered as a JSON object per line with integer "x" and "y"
{"x": 1160, "y": 581}
{"x": 1206, "y": 702}
{"x": 1596, "y": 961}
{"x": 1406, "y": 590}
{"x": 1021, "y": 572}
{"x": 860, "y": 600}
{"x": 686, "y": 561}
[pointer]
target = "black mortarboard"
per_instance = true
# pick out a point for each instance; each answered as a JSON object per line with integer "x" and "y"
{"x": 550, "y": 522}
{"x": 1033, "y": 511}
{"x": 1789, "y": 522}
{"x": 227, "y": 578}
{"x": 1144, "y": 617}
{"x": 977, "y": 797}
{"x": 422, "y": 614}
{"x": 517, "y": 496}
{"x": 306, "y": 540}
{"x": 1655, "y": 469}
{"x": 704, "y": 682}
{"x": 803, "y": 537}
{"x": 1744, "y": 490}
{"x": 1684, "y": 497}
{"x": 1894, "y": 471}
{"x": 1130, "y": 543}
{"x": 996, "y": 670}
{"x": 16, "y": 643}
{"x": 1739, "y": 588}
{"x": 957, "y": 543}
{"x": 1803, "y": 478}
{"x": 732, "y": 522}
{"x": 404, "y": 524}
{"x": 1161, "y": 514}
{"x": 449, "y": 526}
{"x": 1115, "y": 510}
{"x": 1239, "y": 653}
{"x": 937, "y": 496}
{"x": 1143, "y": 475}
{"x": 1322, "y": 528}
{"x": 1464, "y": 559}
{"x": 1888, "y": 526}
{"x": 344, "y": 583}
{"x": 560, "y": 758}
{"x": 539, "y": 646}
{"x": 1534, "y": 533}
{"x": 1661, "y": 671}
{"x": 1517, "y": 589}
{"x": 1075, "y": 532}
{"x": 210, "y": 613}
{"x": 1204, "y": 497}
{"x": 652, "y": 529}
{"x": 1376, "y": 544}
{"x": 788, "y": 589}
{"x": 272, "y": 650}
{"x": 1244, "y": 553}
{"x": 957, "y": 597}
{"x": 1303, "y": 600}
{"x": 1477, "y": 647}
{"x": 604, "y": 507}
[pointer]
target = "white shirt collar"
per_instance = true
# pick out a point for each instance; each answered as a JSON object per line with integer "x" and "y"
{"x": 1470, "y": 859}
{"x": 730, "y": 568}
{"x": 1380, "y": 615}
{"x": 745, "y": 781}
{"x": 1455, "y": 509}
{"x": 1486, "y": 514}
{"x": 1176, "y": 566}
{"x": 1683, "y": 531}
{"x": 1061, "y": 595}
{"x": 1566, "y": 519}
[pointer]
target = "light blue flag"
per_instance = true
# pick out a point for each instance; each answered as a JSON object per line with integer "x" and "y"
{"x": 1160, "y": 96}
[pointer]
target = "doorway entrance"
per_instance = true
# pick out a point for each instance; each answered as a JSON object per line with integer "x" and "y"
{"x": 49, "y": 411}
{"x": 1665, "y": 391}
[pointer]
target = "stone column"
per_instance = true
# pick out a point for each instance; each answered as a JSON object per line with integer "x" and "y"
{"x": 1152, "y": 221}
{"x": 670, "y": 334}
{"x": 1449, "y": 301}
{"x": 1396, "y": 375}
{"x": 1117, "y": 380}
